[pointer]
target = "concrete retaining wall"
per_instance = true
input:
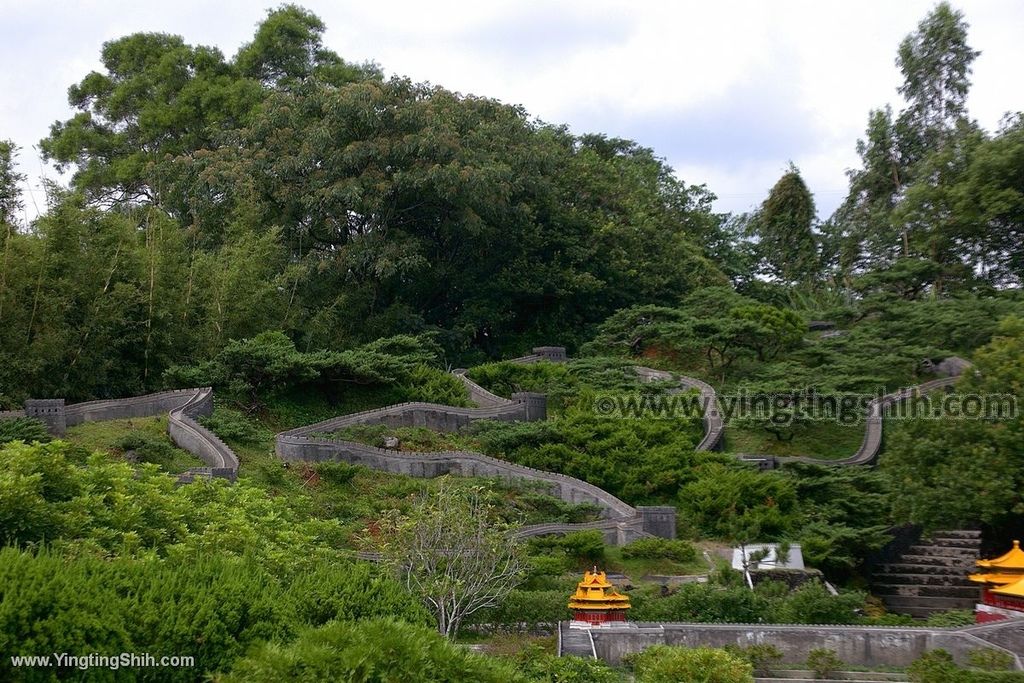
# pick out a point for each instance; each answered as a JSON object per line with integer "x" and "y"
{"x": 856, "y": 646}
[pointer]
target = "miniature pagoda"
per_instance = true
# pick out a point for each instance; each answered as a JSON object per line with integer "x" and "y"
{"x": 1002, "y": 592}
{"x": 596, "y": 601}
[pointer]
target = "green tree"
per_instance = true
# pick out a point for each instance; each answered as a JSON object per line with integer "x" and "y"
{"x": 10, "y": 193}
{"x": 899, "y": 204}
{"x": 935, "y": 61}
{"x": 288, "y": 51}
{"x": 786, "y": 242}
{"x": 961, "y": 471}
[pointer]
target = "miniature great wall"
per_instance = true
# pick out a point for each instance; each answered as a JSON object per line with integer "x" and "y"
{"x": 620, "y": 522}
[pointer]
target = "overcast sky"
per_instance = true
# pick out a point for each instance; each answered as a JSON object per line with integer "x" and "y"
{"x": 728, "y": 92}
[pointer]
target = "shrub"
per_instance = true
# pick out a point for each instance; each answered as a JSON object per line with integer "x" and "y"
{"x": 337, "y": 473}
{"x": 542, "y": 667}
{"x": 585, "y": 546}
{"x": 208, "y": 605}
{"x": 432, "y": 385}
{"x": 760, "y": 656}
{"x": 990, "y": 659}
{"x": 526, "y": 607}
{"x": 344, "y": 591}
{"x": 377, "y": 650}
{"x": 954, "y": 617}
{"x": 667, "y": 664}
{"x": 27, "y": 429}
{"x": 823, "y": 662}
{"x": 660, "y": 548}
{"x": 234, "y": 425}
{"x": 811, "y": 603}
{"x": 703, "y": 603}
{"x": 936, "y": 666}
{"x": 147, "y": 447}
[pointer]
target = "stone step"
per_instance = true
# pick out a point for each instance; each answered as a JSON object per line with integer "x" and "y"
{"x": 957, "y": 533}
{"x": 897, "y": 603}
{"x": 906, "y": 590}
{"x": 908, "y": 568}
{"x": 939, "y": 560}
{"x": 966, "y": 543}
{"x": 946, "y": 551}
{"x": 926, "y": 580}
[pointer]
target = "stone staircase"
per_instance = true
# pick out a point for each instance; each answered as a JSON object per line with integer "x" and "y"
{"x": 798, "y": 676}
{"x": 931, "y": 575}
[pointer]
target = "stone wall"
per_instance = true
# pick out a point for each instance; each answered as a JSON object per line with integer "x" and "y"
{"x": 183, "y": 406}
{"x": 658, "y": 520}
{"x": 52, "y": 411}
{"x": 621, "y": 523}
{"x": 186, "y": 432}
{"x": 615, "y": 531}
{"x": 553, "y": 354}
{"x": 855, "y": 645}
{"x": 147, "y": 405}
{"x": 291, "y": 447}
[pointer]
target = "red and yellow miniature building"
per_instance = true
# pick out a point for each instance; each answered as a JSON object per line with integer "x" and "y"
{"x": 596, "y": 601}
{"x": 1002, "y": 581}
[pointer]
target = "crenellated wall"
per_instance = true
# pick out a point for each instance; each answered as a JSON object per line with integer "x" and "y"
{"x": 309, "y": 443}
{"x": 182, "y": 406}
{"x": 621, "y": 524}
{"x": 292, "y": 448}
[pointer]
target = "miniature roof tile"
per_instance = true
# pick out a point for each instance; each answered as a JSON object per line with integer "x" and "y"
{"x": 595, "y": 592}
{"x": 1014, "y": 590}
{"x": 1014, "y": 559}
{"x": 995, "y": 578}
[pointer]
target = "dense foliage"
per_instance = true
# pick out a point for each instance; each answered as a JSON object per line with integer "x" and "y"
{"x": 311, "y": 238}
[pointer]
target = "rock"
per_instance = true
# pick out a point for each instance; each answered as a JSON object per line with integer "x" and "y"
{"x": 391, "y": 442}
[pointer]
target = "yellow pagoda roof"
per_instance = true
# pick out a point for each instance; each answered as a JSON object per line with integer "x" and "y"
{"x": 1013, "y": 559}
{"x": 597, "y": 593}
{"x": 1015, "y": 589}
{"x": 995, "y": 578}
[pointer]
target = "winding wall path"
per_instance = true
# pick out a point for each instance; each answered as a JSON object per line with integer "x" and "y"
{"x": 182, "y": 406}
{"x": 620, "y": 522}
{"x": 871, "y": 444}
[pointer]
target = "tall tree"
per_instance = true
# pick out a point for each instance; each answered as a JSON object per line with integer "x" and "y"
{"x": 898, "y": 205}
{"x": 935, "y": 61}
{"x": 288, "y": 51}
{"x": 10, "y": 205}
{"x": 158, "y": 97}
{"x": 10, "y": 193}
{"x": 786, "y": 242}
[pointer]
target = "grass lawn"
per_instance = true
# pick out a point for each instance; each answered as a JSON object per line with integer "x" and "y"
{"x": 637, "y": 568}
{"x": 118, "y": 436}
{"x": 820, "y": 439}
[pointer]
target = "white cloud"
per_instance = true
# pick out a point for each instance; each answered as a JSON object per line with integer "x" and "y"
{"x": 728, "y": 91}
